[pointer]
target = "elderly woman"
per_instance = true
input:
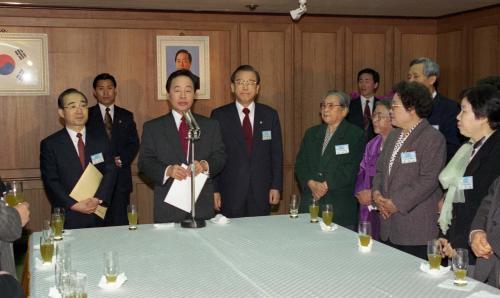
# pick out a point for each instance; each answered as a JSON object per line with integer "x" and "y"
{"x": 474, "y": 167}
{"x": 328, "y": 160}
{"x": 405, "y": 188}
{"x": 382, "y": 126}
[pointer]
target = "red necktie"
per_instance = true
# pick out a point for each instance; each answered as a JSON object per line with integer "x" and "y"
{"x": 247, "y": 130}
{"x": 81, "y": 150}
{"x": 183, "y": 135}
{"x": 366, "y": 115}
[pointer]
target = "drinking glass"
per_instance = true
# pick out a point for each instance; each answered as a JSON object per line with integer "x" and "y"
{"x": 57, "y": 223}
{"x": 62, "y": 267}
{"x": 294, "y": 206}
{"x": 460, "y": 264}
{"x": 60, "y": 211}
{"x": 132, "y": 217}
{"x": 327, "y": 214}
{"x": 314, "y": 210}
{"x": 111, "y": 266}
{"x": 15, "y": 194}
{"x": 80, "y": 288}
{"x": 434, "y": 254}
{"x": 364, "y": 233}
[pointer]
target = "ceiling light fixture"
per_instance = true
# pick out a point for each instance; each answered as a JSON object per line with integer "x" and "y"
{"x": 297, "y": 13}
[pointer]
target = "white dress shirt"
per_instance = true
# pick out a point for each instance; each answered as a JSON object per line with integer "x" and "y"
{"x": 103, "y": 111}
{"x": 74, "y": 138}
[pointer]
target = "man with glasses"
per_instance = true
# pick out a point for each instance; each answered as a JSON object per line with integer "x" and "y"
{"x": 253, "y": 175}
{"x": 64, "y": 156}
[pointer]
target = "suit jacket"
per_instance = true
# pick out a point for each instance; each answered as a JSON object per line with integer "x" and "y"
{"x": 160, "y": 148}
{"x": 60, "y": 168}
{"x": 338, "y": 170}
{"x": 444, "y": 117}
{"x": 124, "y": 141}
{"x": 355, "y": 116}
{"x": 413, "y": 187}
{"x": 484, "y": 169}
{"x": 488, "y": 219}
{"x": 260, "y": 172}
{"x": 10, "y": 230}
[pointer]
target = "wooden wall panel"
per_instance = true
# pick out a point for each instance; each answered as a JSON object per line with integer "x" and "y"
{"x": 485, "y": 51}
{"x": 409, "y": 46}
{"x": 451, "y": 57}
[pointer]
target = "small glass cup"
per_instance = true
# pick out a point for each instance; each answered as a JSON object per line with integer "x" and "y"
{"x": 62, "y": 268}
{"x": 57, "y": 224}
{"x": 460, "y": 264}
{"x": 111, "y": 266}
{"x": 294, "y": 206}
{"x": 314, "y": 210}
{"x": 327, "y": 214}
{"x": 60, "y": 211}
{"x": 434, "y": 254}
{"x": 132, "y": 217}
{"x": 80, "y": 288}
{"x": 364, "y": 233}
{"x": 15, "y": 194}
{"x": 46, "y": 247}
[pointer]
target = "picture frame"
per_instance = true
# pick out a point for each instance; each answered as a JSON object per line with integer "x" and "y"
{"x": 198, "y": 48}
{"x": 24, "y": 64}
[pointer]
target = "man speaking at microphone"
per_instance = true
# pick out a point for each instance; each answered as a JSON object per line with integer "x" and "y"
{"x": 164, "y": 148}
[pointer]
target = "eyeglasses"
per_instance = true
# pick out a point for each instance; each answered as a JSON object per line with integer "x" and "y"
{"x": 326, "y": 105}
{"x": 245, "y": 82}
{"x": 379, "y": 116}
{"x": 73, "y": 107}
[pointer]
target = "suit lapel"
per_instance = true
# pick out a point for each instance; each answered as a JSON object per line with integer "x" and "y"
{"x": 337, "y": 139}
{"x": 258, "y": 123}
{"x": 172, "y": 135}
{"x": 484, "y": 152}
{"x": 71, "y": 153}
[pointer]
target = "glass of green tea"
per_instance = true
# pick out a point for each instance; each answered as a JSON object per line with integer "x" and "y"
{"x": 111, "y": 266}
{"x": 327, "y": 214}
{"x": 15, "y": 194}
{"x": 314, "y": 210}
{"x": 434, "y": 254}
{"x": 364, "y": 233}
{"x": 460, "y": 264}
{"x": 60, "y": 211}
{"x": 57, "y": 223}
{"x": 46, "y": 243}
{"x": 294, "y": 206}
{"x": 132, "y": 217}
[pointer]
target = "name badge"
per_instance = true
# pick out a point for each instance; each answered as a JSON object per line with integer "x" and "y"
{"x": 342, "y": 149}
{"x": 436, "y": 127}
{"x": 466, "y": 183}
{"x": 408, "y": 157}
{"x": 266, "y": 135}
{"x": 97, "y": 158}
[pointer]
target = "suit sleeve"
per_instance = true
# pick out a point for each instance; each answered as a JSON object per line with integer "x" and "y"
{"x": 10, "y": 223}
{"x": 303, "y": 170}
{"x": 215, "y": 178}
{"x": 131, "y": 146}
{"x": 106, "y": 188}
{"x": 149, "y": 164}
{"x": 217, "y": 157}
{"x": 56, "y": 192}
{"x": 489, "y": 206}
{"x": 432, "y": 160}
{"x": 277, "y": 154}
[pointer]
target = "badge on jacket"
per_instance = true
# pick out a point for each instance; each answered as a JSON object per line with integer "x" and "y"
{"x": 466, "y": 183}
{"x": 408, "y": 157}
{"x": 266, "y": 135}
{"x": 97, "y": 158}
{"x": 341, "y": 149}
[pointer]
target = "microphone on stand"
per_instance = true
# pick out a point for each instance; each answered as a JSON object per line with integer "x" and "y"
{"x": 191, "y": 121}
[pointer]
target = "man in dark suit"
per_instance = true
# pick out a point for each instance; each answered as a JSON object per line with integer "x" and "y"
{"x": 164, "y": 148}
{"x": 184, "y": 60}
{"x": 253, "y": 176}
{"x": 444, "y": 111}
{"x": 361, "y": 108}
{"x": 485, "y": 237}
{"x": 65, "y": 154}
{"x": 118, "y": 125}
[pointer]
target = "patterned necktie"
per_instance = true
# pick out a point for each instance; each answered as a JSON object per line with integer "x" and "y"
{"x": 247, "y": 131}
{"x": 183, "y": 135}
{"x": 108, "y": 123}
{"x": 367, "y": 115}
{"x": 81, "y": 150}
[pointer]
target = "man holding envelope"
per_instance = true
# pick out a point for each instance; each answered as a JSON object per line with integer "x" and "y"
{"x": 73, "y": 157}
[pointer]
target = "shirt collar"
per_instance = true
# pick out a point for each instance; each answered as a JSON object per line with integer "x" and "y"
{"x": 240, "y": 107}
{"x": 73, "y": 133}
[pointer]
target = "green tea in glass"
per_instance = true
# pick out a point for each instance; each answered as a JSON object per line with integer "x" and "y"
{"x": 57, "y": 224}
{"x": 314, "y": 210}
{"x": 327, "y": 214}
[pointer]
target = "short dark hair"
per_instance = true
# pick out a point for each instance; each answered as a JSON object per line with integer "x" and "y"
{"x": 185, "y": 52}
{"x": 179, "y": 73}
{"x": 373, "y": 72}
{"x": 103, "y": 77}
{"x": 485, "y": 102}
{"x": 490, "y": 80}
{"x": 60, "y": 99}
{"x": 415, "y": 95}
{"x": 245, "y": 67}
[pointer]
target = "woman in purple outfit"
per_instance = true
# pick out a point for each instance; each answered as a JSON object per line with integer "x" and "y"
{"x": 382, "y": 127}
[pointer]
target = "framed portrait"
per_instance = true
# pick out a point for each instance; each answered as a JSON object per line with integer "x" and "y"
{"x": 183, "y": 52}
{"x": 24, "y": 64}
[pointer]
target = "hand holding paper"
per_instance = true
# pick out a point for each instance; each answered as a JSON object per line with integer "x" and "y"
{"x": 85, "y": 189}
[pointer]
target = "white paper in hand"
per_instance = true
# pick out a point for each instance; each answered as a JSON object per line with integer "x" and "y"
{"x": 179, "y": 194}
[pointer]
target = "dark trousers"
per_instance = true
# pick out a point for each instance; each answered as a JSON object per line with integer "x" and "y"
{"x": 419, "y": 251}
{"x": 117, "y": 211}
{"x": 248, "y": 207}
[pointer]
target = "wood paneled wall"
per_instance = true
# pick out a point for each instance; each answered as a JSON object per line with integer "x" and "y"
{"x": 298, "y": 62}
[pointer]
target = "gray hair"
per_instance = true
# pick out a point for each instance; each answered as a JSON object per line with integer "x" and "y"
{"x": 431, "y": 68}
{"x": 344, "y": 98}
{"x": 384, "y": 102}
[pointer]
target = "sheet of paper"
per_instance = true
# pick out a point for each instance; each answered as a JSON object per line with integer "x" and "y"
{"x": 87, "y": 186}
{"x": 179, "y": 194}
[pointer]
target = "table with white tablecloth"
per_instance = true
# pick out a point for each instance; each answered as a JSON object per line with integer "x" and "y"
{"x": 272, "y": 256}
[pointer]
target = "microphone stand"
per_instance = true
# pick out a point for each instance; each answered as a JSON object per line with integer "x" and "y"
{"x": 193, "y": 135}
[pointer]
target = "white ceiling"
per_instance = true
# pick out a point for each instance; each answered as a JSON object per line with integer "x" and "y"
{"x": 401, "y": 8}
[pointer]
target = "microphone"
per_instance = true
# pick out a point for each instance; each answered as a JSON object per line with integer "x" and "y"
{"x": 191, "y": 121}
